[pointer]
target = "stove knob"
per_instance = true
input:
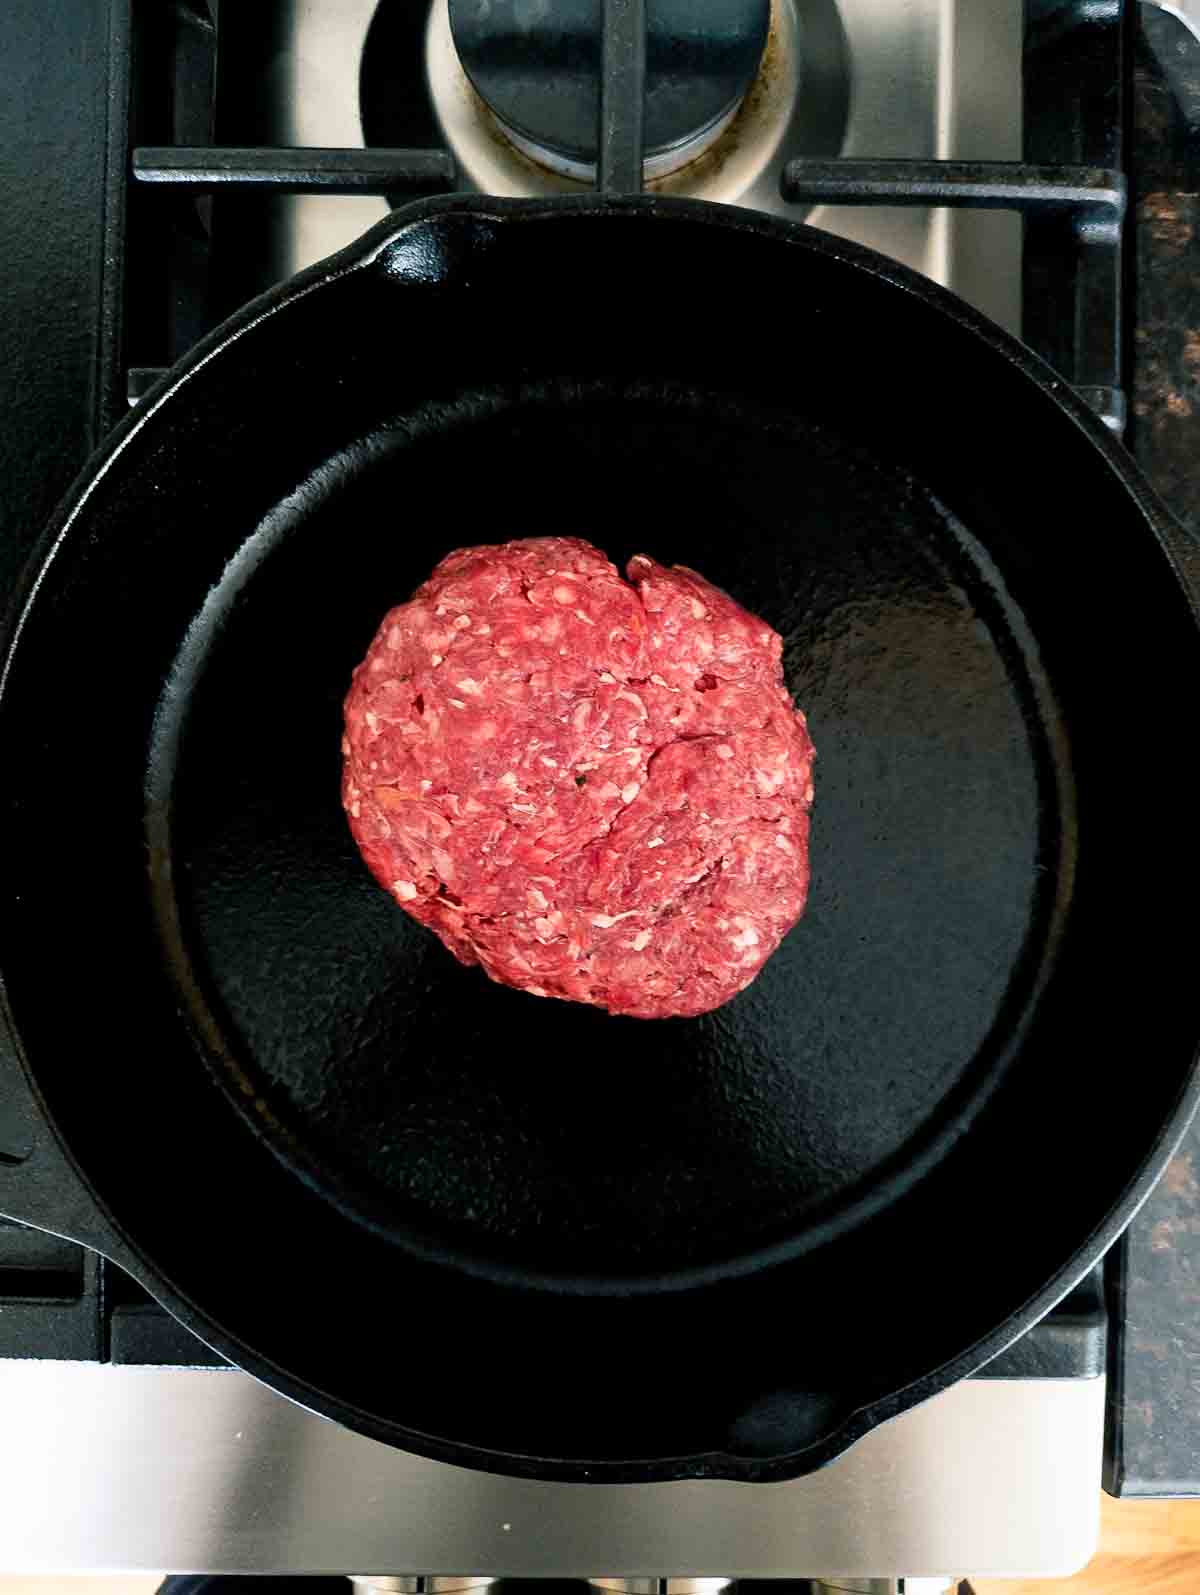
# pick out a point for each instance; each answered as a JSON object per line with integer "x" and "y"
{"x": 417, "y": 1584}
{"x": 880, "y": 1586}
{"x": 661, "y": 1586}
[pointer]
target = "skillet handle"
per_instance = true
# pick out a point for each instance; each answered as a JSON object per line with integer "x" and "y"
{"x": 38, "y": 1185}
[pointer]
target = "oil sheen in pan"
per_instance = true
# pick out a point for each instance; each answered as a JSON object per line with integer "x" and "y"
{"x": 539, "y": 1140}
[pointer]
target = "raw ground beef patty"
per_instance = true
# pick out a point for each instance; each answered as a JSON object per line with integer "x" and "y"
{"x": 596, "y": 788}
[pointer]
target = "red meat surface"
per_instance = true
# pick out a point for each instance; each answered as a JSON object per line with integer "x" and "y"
{"x": 597, "y": 789}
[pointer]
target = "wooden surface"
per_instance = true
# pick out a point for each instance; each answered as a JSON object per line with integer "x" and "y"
{"x": 1146, "y": 1548}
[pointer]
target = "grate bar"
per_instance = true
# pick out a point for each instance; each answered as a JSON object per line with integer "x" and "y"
{"x": 982, "y": 185}
{"x": 622, "y": 97}
{"x": 296, "y": 171}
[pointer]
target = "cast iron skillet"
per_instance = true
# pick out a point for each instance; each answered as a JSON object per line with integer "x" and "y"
{"x": 515, "y": 1233}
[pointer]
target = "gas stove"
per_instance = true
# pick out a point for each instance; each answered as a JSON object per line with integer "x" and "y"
{"x": 863, "y": 78}
{"x": 167, "y": 161}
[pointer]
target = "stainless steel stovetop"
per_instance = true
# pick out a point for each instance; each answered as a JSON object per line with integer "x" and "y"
{"x": 106, "y": 1468}
{"x": 870, "y": 78}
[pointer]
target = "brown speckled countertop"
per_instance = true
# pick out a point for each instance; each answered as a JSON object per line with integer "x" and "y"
{"x": 1154, "y": 1429}
{"x": 1165, "y": 425}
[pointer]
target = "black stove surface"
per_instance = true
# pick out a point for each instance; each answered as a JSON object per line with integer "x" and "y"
{"x": 107, "y": 280}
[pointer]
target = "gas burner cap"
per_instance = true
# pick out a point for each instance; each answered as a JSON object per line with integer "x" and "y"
{"x": 536, "y": 65}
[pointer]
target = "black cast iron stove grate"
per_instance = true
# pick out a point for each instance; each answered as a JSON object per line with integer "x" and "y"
{"x": 1070, "y": 188}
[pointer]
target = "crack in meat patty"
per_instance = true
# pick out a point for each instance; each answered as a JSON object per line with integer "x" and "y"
{"x": 596, "y": 788}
